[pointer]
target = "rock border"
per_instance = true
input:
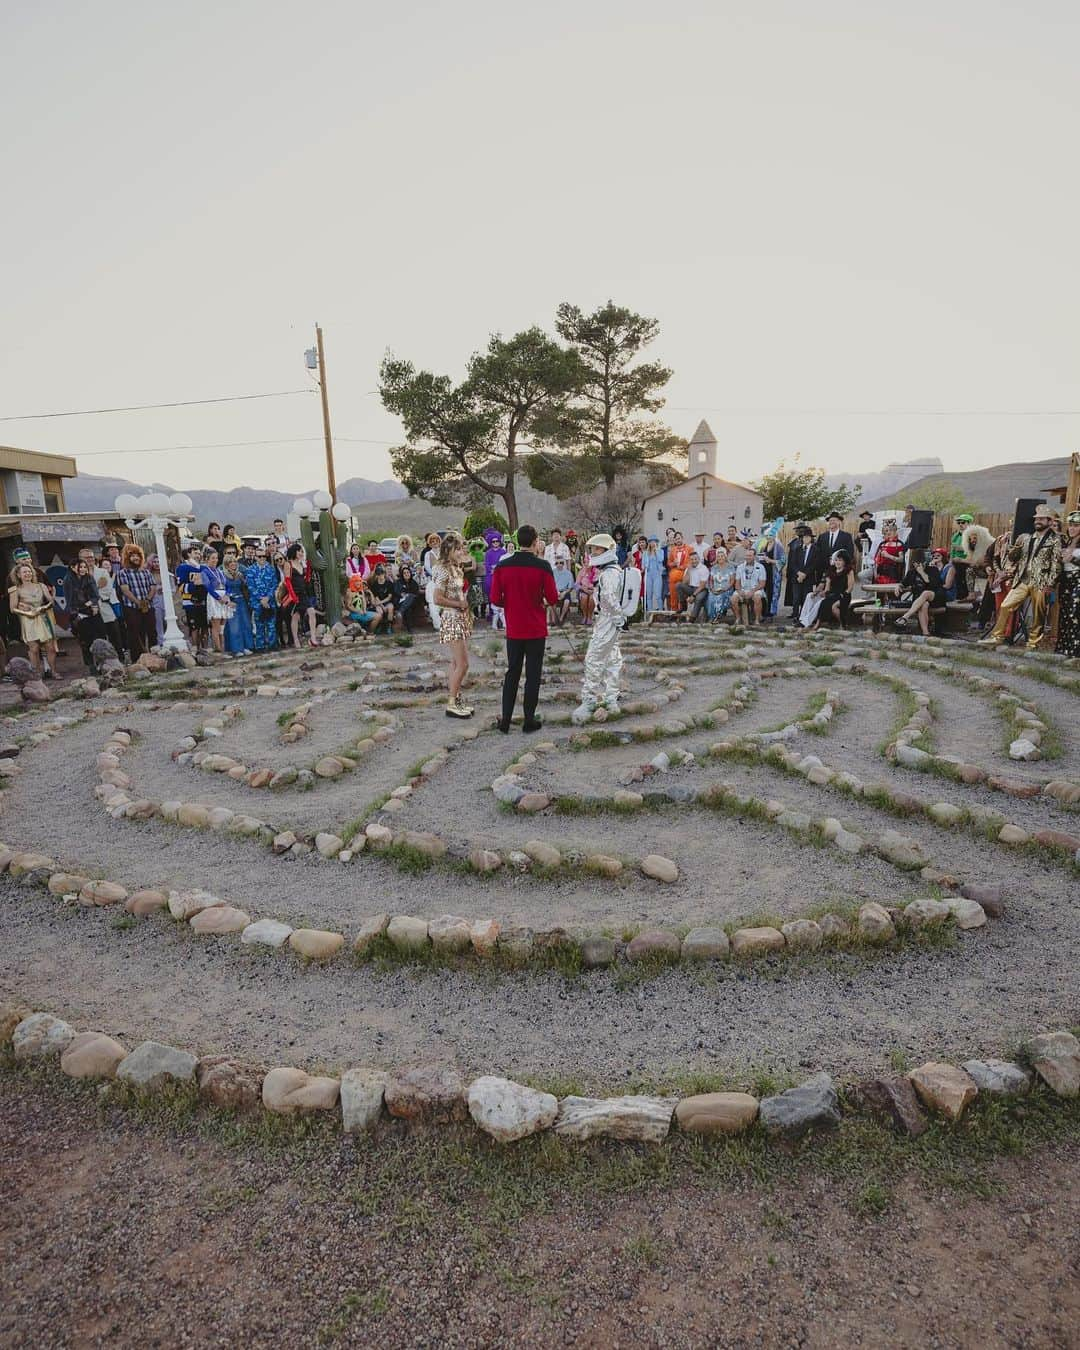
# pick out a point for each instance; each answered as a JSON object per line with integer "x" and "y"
{"x": 437, "y": 1094}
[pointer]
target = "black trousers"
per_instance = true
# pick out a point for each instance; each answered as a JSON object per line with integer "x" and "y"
{"x": 529, "y": 651}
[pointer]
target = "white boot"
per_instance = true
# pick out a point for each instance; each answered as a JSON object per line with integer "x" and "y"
{"x": 582, "y": 713}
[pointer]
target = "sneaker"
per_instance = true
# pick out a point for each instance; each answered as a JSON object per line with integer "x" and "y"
{"x": 531, "y": 724}
{"x": 989, "y": 642}
{"x": 457, "y": 709}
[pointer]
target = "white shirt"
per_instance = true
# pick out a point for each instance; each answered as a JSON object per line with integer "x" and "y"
{"x": 697, "y": 576}
{"x": 750, "y": 575}
{"x": 106, "y": 594}
{"x": 554, "y": 552}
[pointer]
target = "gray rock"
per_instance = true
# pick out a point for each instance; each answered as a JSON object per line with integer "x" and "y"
{"x": 597, "y": 952}
{"x": 41, "y": 1036}
{"x": 705, "y": 944}
{"x": 153, "y": 1065}
{"x": 998, "y": 1077}
{"x": 812, "y": 1105}
{"x": 1055, "y": 1057}
{"x": 361, "y": 1098}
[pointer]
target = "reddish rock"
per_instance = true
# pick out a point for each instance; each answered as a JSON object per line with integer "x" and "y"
{"x": 1057, "y": 839}
{"x": 1015, "y": 787}
{"x": 894, "y": 1100}
{"x": 433, "y": 1093}
{"x": 658, "y": 944}
{"x": 229, "y": 1082}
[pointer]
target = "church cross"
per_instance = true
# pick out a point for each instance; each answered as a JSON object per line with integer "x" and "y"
{"x": 706, "y": 486}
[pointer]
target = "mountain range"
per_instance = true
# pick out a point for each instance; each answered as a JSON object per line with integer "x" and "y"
{"x": 245, "y": 507}
{"x": 993, "y": 490}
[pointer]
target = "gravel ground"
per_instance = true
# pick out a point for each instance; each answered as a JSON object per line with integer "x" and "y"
{"x": 126, "y": 1235}
{"x": 838, "y": 1012}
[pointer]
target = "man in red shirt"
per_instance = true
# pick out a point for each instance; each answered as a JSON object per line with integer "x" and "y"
{"x": 523, "y": 585}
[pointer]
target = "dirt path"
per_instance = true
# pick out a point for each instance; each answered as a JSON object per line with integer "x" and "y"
{"x": 124, "y": 1234}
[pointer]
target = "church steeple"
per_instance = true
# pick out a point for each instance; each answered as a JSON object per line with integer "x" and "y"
{"x": 704, "y": 451}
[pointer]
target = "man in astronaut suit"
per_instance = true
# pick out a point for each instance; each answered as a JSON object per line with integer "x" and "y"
{"x": 603, "y": 659}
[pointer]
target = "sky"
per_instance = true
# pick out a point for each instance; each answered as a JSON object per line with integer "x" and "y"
{"x": 848, "y": 218}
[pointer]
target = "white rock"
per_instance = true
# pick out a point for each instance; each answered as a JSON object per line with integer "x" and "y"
{"x": 1024, "y": 749}
{"x": 186, "y": 904}
{"x": 919, "y": 913}
{"x": 647, "y": 1119}
{"x": 967, "y": 913}
{"x": 406, "y": 932}
{"x": 328, "y": 845}
{"x": 449, "y": 933}
{"x": 508, "y": 1110}
{"x": 266, "y": 933}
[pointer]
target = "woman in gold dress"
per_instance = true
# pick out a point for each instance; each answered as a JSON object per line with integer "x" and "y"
{"x": 32, "y": 601}
{"x": 455, "y": 629}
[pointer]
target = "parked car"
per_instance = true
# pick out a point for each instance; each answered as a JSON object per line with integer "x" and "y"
{"x": 388, "y": 546}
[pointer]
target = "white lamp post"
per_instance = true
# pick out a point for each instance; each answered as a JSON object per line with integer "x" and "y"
{"x": 157, "y": 511}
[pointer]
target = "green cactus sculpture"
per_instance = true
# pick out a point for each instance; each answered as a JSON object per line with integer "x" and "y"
{"x": 327, "y": 553}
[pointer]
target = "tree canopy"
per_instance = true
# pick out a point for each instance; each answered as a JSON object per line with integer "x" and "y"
{"x": 463, "y": 440}
{"x": 801, "y": 494}
{"x": 598, "y": 433}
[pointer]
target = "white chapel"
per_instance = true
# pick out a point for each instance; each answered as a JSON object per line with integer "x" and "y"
{"x": 704, "y": 501}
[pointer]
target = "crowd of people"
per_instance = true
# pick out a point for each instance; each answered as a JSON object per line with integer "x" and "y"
{"x": 239, "y": 595}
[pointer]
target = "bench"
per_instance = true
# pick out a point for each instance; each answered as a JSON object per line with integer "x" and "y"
{"x": 952, "y": 617}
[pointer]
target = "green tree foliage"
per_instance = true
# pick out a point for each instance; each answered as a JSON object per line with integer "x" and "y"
{"x": 944, "y": 498}
{"x": 600, "y": 431}
{"x": 464, "y": 440}
{"x": 483, "y": 518}
{"x": 801, "y": 494}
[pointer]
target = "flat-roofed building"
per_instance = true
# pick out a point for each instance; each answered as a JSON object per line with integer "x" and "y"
{"x": 32, "y": 483}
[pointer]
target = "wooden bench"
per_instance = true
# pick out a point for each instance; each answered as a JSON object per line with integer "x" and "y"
{"x": 952, "y": 617}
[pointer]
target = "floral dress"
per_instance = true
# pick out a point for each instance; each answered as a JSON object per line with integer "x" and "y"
{"x": 455, "y": 624}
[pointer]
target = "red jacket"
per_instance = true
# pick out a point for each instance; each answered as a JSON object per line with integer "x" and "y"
{"x": 521, "y": 585}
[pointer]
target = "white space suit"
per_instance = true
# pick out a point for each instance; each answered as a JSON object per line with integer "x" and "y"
{"x": 603, "y": 657}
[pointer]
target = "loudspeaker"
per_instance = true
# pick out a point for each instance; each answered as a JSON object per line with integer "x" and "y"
{"x": 922, "y": 526}
{"x": 1024, "y": 520}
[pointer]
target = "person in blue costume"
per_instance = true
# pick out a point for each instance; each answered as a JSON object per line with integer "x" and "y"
{"x": 652, "y": 564}
{"x": 262, "y": 579}
{"x": 239, "y": 638}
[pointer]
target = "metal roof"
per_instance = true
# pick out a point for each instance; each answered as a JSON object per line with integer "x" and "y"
{"x": 34, "y": 461}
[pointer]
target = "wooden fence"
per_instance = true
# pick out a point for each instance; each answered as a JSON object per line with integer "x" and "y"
{"x": 996, "y": 522}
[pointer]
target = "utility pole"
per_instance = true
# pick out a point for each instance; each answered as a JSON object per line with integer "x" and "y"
{"x": 331, "y": 480}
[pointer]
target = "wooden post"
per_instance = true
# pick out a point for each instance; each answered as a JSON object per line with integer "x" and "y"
{"x": 331, "y": 481}
{"x": 1072, "y": 491}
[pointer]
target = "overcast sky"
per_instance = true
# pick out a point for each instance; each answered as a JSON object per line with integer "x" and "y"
{"x": 831, "y": 208}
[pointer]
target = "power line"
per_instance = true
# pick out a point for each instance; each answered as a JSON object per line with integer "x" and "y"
{"x": 143, "y": 407}
{"x": 870, "y": 412}
{"x": 228, "y": 445}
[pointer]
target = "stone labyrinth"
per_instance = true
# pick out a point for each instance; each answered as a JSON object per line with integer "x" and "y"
{"x": 786, "y": 855}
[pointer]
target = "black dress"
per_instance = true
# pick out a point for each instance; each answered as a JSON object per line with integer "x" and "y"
{"x": 1068, "y": 638}
{"x": 926, "y": 578}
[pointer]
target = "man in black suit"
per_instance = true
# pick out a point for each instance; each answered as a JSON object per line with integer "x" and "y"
{"x": 832, "y": 540}
{"x": 800, "y": 569}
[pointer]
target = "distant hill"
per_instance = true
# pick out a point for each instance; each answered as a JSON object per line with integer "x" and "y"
{"x": 992, "y": 490}
{"x": 889, "y": 481}
{"x": 245, "y": 507}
